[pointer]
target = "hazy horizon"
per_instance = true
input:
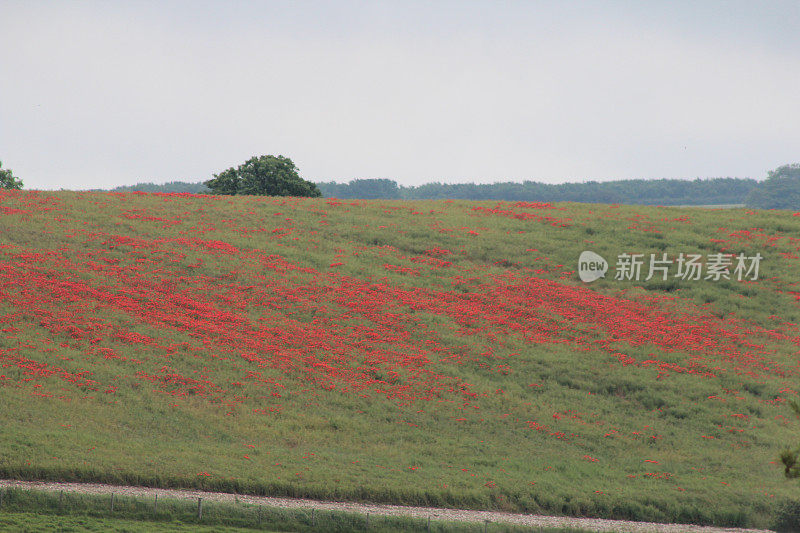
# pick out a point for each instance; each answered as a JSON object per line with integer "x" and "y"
{"x": 164, "y": 182}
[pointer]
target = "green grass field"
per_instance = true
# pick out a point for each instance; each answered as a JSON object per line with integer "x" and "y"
{"x": 429, "y": 353}
{"x": 34, "y": 510}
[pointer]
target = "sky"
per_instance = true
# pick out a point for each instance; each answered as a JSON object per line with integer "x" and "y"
{"x": 101, "y": 94}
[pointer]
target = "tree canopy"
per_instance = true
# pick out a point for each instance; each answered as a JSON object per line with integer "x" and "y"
{"x": 781, "y": 189}
{"x": 8, "y": 180}
{"x": 655, "y": 192}
{"x": 172, "y": 186}
{"x": 364, "y": 189}
{"x": 266, "y": 175}
{"x": 713, "y": 191}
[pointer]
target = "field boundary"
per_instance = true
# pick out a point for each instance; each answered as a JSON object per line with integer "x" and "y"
{"x": 451, "y": 515}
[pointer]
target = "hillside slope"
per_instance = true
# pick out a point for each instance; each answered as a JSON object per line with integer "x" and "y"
{"x": 429, "y": 352}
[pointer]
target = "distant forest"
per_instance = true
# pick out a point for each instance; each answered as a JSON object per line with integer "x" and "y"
{"x": 172, "y": 186}
{"x": 708, "y": 191}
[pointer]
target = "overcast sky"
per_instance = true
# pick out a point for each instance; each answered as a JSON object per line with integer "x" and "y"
{"x": 99, "y": 94}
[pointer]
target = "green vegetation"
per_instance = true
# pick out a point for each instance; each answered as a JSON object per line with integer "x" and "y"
{"x": 791, "y": 457}
{"x": 366, "y": 189}
{"x": 34, "y": 522}
{"x": 264, "y": 175}
{"x": 698, "y": 192}
{"x": 8, "y": 180}
{"x": 427, "y": 353}
{"x": 24, "y": 510}
{"x": 647, "y": 192}
{"x": 172, "y": 186}
{"x": 781, "y": 189}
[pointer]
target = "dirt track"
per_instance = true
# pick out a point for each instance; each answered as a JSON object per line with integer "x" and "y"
{"x": 589, "y": 524}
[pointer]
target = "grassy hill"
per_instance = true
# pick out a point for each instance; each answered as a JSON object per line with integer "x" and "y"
{"x": 427, "y": 352}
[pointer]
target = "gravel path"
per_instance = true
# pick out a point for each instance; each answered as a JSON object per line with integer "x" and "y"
{"x": 588, "y": 524}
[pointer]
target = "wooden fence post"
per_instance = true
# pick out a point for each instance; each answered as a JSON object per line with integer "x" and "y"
{"x": 199, "y": 508}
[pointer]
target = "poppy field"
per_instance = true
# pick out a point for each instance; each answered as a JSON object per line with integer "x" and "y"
{"x": 429, "y": 352}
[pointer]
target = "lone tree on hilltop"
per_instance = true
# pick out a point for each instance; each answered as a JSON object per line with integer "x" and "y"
{"x": 266, "y": 175}
{"x": 781, "y": 189}
{"x": 8, "y": 180}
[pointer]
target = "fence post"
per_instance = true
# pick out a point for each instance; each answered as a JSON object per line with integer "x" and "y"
{"x": 1, "y": 497}
{"x": 199, "y": 508}
{"x": 60, "y": 500}
{"x": 259, "y": 516}
{"x": 313, "y": 518}
{"x": 155, "y": 505}
{"x": 367, "y": 521}
{"x": 429, "y": 524}
{"x": 112, "y": 502}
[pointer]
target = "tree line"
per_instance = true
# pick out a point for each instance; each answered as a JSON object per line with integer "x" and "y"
{"x": 652, "y": 192}
{"x": 649, "y": 192}
{"x": 270, "y": 175}
{"x": 712, "y": 191}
